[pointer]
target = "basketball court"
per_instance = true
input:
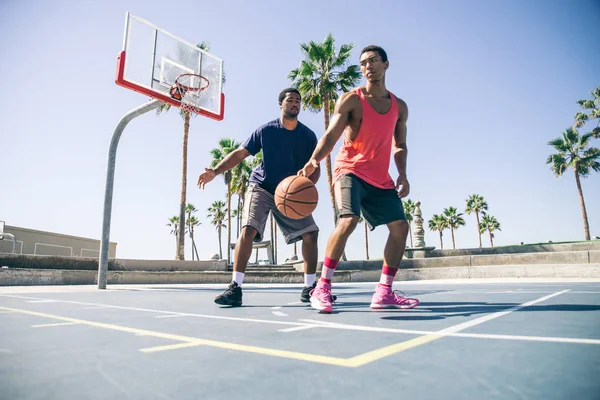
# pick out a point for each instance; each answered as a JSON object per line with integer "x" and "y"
{"x": 465, "y": 340}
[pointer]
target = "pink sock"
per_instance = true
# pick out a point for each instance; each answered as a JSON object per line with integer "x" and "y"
{"x": 387, "y": 276}
{"x": 329, "y": 267}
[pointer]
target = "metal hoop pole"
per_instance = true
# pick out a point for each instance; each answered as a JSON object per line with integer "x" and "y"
{"x": 110, "y": 181}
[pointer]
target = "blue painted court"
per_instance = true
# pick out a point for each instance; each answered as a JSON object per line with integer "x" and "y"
{"x": 467, "y": 340}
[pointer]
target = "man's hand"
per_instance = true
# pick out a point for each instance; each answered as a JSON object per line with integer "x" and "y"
{"x": 402, "y": 181}
{"x": 309, "y": 168}
{"x": 205, "y": 177}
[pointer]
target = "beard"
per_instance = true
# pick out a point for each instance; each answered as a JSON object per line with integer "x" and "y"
{"x": 291, "y": 114}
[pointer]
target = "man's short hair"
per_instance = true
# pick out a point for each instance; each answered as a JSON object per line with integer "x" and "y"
{"x": 378, "y": 49}
{"x": 284, "y": 92}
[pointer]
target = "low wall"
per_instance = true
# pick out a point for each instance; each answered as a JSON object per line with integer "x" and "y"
{"x": 32, "y": 277}
{"x": 83, "y": 263}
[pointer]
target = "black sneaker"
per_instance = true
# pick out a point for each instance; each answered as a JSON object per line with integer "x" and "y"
{"x": 305, "y": 296}
{"x": 231, "y": 297}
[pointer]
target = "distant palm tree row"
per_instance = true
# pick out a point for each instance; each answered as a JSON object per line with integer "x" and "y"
{"x": 452, "y": 219}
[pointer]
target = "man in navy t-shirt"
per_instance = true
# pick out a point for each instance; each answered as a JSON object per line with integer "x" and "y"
{"x": 286, "y": 145}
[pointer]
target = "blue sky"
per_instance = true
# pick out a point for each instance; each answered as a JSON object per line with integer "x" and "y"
{"x": 487, "y": 84}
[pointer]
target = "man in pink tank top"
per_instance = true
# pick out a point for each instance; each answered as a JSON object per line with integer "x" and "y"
{"x": 373, "y": 122}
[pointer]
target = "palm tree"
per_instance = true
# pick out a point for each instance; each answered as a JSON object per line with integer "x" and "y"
{"x": 409, "y": 208}
{"x": 319, "y": 78}
{"x": 489, "y": 224}
{"x": 453, "y": 220}
{"x": 186, "y": 129}
{"x": 476, "y": 204}
{"x": 216, "y": 213}
{"x": 591, "y": 111}
{"x": 240, "y": 179}
{"x": 191, "y": 222}
{"x": 361, "y": 219}
{"x": 174, "y": 224}
{"x": 226, "y": 146}
{"x": 573, "y": 152}
{"x": 438, "y": 223}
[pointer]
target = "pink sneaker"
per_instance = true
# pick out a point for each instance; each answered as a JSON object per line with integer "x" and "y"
{"x": 385, "y": 298}
{"x": 321, "y": 299}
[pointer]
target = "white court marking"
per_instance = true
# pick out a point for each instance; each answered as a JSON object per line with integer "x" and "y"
{"x": 42, "y": 301}
{"x": 298, "y": 328}
{"x": 170, "y": 316}
{"x": 280, "y": 314}
{"x": 302, "y": 324}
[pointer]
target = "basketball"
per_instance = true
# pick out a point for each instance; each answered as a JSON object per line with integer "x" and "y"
{"x": 296, "y": 197}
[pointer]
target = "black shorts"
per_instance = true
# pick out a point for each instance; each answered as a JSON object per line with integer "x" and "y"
{"x": 378, "y": 206}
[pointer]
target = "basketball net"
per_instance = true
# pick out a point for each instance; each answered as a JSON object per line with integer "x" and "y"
{"x": 190, "y": 88}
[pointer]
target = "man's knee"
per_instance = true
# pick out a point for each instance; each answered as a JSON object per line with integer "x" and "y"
{"x": 248, "y": 233}
{"x": 398, "y": 229}
{"x": 347, "y": 223}
{"x": 310, "y": 237}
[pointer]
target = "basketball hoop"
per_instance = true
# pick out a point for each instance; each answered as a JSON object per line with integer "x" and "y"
{"x": 188, "y": 89}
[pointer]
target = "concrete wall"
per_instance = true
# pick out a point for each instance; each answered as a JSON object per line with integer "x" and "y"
{"x": 532, "y": 248}
{"x": 30, "y": 241}
{"x": 80, "y": 263}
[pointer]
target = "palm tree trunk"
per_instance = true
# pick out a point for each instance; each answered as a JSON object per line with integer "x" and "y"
{"x": 586, "y": 226}
{"x": 328, "y": 159}
{"x": 272, "y": 236}
{"x": 275, "y": 247}
{"x": 326, "y": 110}
{"x": 410, "y": 232}
{"x": 491, "y": 239}
{"x": 181, "y": 236}
{"x": 478, "y": 231}
{"x": 295, "y": 249}
{"x": 453, "y": 245}
{"x": 228, "y": 221}
{"x": 441, "y": 242}
{"x": 220, "y": 245}
{"x": 366, "y": 240}
{"x": 238, "y": 214}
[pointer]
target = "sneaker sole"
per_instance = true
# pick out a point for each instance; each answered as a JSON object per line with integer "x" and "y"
{"x": 322, "y": 309}
{"x": 376, "y": 306}
{"x": 237, "y": 304}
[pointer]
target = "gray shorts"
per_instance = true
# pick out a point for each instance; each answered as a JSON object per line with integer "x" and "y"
{"x": 257, "y": 205}
{"x": 378, "y": 206}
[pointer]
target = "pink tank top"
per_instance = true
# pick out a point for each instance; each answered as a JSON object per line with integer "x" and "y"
{"x": 368, "y": 156}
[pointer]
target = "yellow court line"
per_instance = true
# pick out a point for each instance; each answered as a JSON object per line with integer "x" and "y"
{"x": 352, "y": 362}
{"x": 371, "y": 356}
{"x": 57, "y": 324}
{"x": 342, "y": 362}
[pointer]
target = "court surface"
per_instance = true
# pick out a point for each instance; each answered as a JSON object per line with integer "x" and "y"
{"x": 467, "y": 340}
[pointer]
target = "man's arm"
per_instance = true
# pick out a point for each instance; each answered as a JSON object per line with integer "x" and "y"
{"x": 339, "y": 121}
{"x": 400, "y": 149}
{"x": 230, "y": 161}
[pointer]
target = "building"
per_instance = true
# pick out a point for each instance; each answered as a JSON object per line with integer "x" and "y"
{"x": 30, "y": 241}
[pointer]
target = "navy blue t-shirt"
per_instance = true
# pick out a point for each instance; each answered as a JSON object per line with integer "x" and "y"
{"x": 285, "y": 152}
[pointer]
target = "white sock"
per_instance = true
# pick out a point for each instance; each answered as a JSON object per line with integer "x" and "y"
{"x": 238, "y": 277}
{"x": 310, "y": 279}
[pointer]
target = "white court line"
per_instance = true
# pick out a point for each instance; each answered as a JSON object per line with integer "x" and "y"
{"x": 332, "y": 325}
{"x": 170, "y": 316}
{"x": 280, "y": 314}
{"x": 42, "y": 301}
{"x": 93, "y": 308}
{"x": 298, "y": 328}
{"x": 262, "y": 321}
